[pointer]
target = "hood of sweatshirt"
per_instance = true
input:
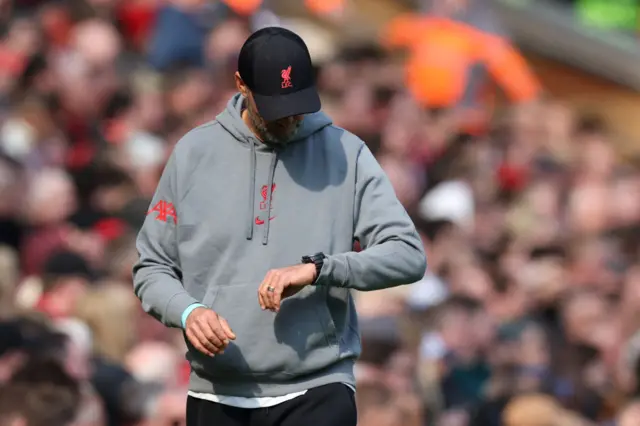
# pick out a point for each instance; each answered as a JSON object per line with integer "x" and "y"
{"x": 231, "y": 120}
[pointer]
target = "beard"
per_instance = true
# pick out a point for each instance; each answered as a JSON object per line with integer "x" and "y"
{"x": 272, "y": 133}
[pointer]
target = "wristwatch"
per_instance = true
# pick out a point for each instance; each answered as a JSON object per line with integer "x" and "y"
{"x": 318, "y": 260}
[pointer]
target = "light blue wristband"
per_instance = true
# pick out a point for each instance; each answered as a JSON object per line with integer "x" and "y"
{"x": 188, "y": 311}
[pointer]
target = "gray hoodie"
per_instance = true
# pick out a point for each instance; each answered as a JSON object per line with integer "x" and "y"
{"x": 229, "y": 208}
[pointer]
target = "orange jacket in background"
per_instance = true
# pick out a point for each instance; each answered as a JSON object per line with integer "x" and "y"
{"x": 319, "y": 7}
{"x": 442, "y": 52}
{"x": 244, "y": 7}
{"x": 324, "y": 7}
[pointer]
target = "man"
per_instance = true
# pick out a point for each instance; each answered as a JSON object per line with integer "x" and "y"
{"x": 66, "y": 278}
{"x": 41, "y": 393}
{"x": 628, "y": 416}
{"x": 265, "y": 203}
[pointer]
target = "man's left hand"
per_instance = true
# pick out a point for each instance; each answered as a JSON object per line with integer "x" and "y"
{"x": 281, "y": 283}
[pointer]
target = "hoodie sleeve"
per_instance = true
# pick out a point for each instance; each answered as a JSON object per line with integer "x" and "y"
{"x": 157, "y": 277}
{"x": 392, "y": 252}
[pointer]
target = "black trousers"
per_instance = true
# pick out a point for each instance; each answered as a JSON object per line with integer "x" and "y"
{"x": 330, "y": 405}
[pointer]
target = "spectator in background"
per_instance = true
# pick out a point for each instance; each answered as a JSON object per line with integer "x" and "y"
{"x": 179, "y": 34}
{"x": 453, "y": 44}
{"x": 375, "y": 407}
{"x": 66, "y": 277}
{"x": 39, "y": 394}
{"x": 629, "y": 415}
{"x": 9, "y": 274}
{"x": 110, "y": 312}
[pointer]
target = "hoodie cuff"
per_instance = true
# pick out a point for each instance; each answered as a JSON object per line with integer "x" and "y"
{"x": 178, "y": 303}
{"x": 188, "y": 311}
{"x": 331, "y": 273}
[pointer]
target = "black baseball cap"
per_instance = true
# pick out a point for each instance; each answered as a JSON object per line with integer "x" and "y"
{"x": 276, "y": 66}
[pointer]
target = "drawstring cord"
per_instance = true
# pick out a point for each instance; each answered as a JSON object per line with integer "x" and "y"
{"x": 267, "y": 221}
{"x": 252, "y": 191}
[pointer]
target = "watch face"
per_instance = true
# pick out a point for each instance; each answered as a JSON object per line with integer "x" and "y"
{"x": 316, "y": 258}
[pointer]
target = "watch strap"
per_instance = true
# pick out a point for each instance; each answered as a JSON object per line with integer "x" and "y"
{"x": 317, "y": 259}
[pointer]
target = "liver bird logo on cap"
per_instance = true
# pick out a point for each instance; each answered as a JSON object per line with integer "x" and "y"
{"x": 286, "y": 78}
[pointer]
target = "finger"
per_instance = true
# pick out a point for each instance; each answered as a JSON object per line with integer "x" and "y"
{"x": 277, "y": 295}
{"x": 260, "y": 298}
{"x": 225, "y": 327}
{"x": 270, "y": 289}
{"x": 209, "y": 332}
{"x": 196, "y": 343}
{"x": 267, "y": 295}
{"x": 206, "y": 342}
{"x": 221, "y": 336}
{"x": 278, "y": 284}
{"x": 264, "y": 290}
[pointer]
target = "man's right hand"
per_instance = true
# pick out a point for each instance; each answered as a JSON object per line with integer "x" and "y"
{"x": 208, "y": 332}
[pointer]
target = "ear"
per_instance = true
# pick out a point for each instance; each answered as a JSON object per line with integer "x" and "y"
{"x": 242, "y": 88}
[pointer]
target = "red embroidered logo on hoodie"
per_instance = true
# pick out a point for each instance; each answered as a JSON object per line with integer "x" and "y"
{"x": 263, "y": 203}
{"x": 164, "y": 210}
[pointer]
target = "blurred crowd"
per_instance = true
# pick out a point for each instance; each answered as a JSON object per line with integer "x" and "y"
{"x": 620, "y": 16}
{"x": 529, "y": 312}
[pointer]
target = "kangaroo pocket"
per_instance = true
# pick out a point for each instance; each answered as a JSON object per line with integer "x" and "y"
{"x": 300, "y": 339}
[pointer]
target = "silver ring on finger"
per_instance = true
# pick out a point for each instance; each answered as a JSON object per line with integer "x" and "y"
{"x": 271, "y": 289}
